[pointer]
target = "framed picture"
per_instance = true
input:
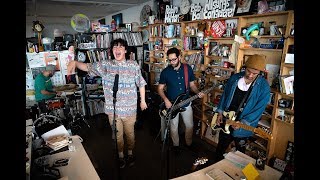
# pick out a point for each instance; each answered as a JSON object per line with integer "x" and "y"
{"x": 118, "y": 18}
{"x": 243, "y": 7}
{"x": 102, "y": 21}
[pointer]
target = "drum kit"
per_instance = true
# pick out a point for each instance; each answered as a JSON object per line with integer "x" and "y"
{"x": 66, "y": 112}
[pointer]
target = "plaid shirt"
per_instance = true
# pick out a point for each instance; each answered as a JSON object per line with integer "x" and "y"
{"x": 129, "y": 79}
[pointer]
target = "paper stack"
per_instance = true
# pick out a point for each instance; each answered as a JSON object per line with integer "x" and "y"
{"x": 58, "y": 142}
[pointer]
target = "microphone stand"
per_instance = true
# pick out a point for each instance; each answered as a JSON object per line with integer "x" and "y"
{"x": 165, "y": 150}
{"x": 114, "y": 137}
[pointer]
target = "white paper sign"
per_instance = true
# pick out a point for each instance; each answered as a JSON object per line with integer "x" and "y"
{"x": 59, "y": 131}
{"x": 65, "y": 57}
{"x": 36, "y": 60}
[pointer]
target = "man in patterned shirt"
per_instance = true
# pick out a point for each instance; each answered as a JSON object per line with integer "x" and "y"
{"x": 130, "y": 78}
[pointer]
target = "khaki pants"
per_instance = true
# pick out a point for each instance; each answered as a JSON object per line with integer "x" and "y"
{"x": 124, "y": 125}
{"x": 187, "y": 117}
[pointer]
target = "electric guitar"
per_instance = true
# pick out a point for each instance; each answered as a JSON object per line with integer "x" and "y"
{"x": 197, "y": 162}
{"x": 229, "y": 119}
{"x": 177, "y": 104}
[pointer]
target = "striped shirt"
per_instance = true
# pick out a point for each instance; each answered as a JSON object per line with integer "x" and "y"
{"x": 130, "y": 78}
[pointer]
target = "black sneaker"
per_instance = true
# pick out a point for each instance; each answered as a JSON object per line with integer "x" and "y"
{"x": 122, "y": 163}
{"x": 130, "y": 160}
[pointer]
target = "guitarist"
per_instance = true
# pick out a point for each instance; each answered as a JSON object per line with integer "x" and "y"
{"x": 252, "y": 108}
{"x": 173, "y": 77}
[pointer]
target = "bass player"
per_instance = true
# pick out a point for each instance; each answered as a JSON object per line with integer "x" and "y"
{"x": 177, "y": 81}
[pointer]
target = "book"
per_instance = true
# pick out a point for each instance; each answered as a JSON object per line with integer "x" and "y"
{"x": 217, "y": 174}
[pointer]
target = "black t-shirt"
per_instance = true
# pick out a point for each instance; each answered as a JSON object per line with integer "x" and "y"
{"x": 236, "y": 100}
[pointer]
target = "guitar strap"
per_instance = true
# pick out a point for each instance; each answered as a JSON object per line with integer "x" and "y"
{"x": 185, "y": 69}
{"x": 245, "y": 98}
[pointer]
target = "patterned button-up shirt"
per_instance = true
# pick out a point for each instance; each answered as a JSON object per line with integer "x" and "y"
{"x": 130, "y": 78}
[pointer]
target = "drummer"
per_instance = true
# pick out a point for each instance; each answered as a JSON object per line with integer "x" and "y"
{"x": 43, "y": 87}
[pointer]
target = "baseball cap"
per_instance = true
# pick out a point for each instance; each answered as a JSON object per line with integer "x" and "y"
{"x": 50, "y": 67}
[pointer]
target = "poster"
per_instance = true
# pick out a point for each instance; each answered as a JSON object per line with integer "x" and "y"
{"x": 52, "y": 57}
{"x": 58, "y": 79}
{"x": 36, "y": 60}
{"x": 65, "y": 57}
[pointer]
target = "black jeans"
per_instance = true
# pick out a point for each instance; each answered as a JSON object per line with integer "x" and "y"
{"x": 224, "y": 142}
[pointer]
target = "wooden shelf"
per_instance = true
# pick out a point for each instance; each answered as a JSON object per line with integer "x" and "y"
{"x": 261, "y": 49}
{"x": 279, "y": 120}
{"x": 214, "y": 57}
{"x": 278, "y": 13}
{"x": 281, "y": 131}
{"x": 288, "y": 65}
{"x": 289, "y": 96}
{"x": 258, "y": 146}
{"x": 221, "y": 38}
{"x": 222, "y": 68}
{"x": 266, "y": 36}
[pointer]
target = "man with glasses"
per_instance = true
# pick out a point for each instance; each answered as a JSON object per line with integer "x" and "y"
{"x": 130, "y": 78}
{"x": 173, "y": 78}
{"x": 251, "y": 110}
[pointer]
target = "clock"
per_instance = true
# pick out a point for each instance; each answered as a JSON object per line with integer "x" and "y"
{"x": 184, "y": 6}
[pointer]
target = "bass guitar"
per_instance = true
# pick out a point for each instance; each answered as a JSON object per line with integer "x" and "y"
{"x": 177, "y": 105}
{"x": 229, "y": 119}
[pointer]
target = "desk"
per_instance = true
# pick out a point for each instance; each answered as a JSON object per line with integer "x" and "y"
{"x": 234, "y": 171}
{"x": 79, "y": 166}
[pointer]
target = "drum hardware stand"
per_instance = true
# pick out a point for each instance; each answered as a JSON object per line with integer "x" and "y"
{"x": 165, "y": 150}
{"x": 75, "y": 115}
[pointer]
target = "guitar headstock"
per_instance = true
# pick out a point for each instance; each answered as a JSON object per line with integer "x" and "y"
{"x": 201, "y": 160}
{"x": 264, "y": 132}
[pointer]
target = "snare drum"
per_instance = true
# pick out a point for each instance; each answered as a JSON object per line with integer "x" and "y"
{"x": 55, "y": 103}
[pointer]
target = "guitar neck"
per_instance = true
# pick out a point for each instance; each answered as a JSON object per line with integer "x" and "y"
{"x": 243, "y": 126}
{"x": 182, "y": 103}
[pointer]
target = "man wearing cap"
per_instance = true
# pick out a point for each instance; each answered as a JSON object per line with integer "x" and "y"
{"x": 43, "y": 87}
{"x": 251, "y": 110}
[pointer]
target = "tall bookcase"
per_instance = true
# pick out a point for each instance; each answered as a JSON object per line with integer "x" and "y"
{"x": 269, "y": 45}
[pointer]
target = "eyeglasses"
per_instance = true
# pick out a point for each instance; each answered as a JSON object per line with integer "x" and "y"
{"x": 173, "y": 59}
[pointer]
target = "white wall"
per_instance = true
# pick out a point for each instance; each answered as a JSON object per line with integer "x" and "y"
{"x": 128, "y": 16}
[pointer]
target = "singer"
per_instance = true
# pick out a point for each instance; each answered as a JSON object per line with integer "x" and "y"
{"x": 120, "y": 79}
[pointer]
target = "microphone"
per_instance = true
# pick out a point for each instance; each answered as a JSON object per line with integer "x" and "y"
{"x": 115, "y": 86}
